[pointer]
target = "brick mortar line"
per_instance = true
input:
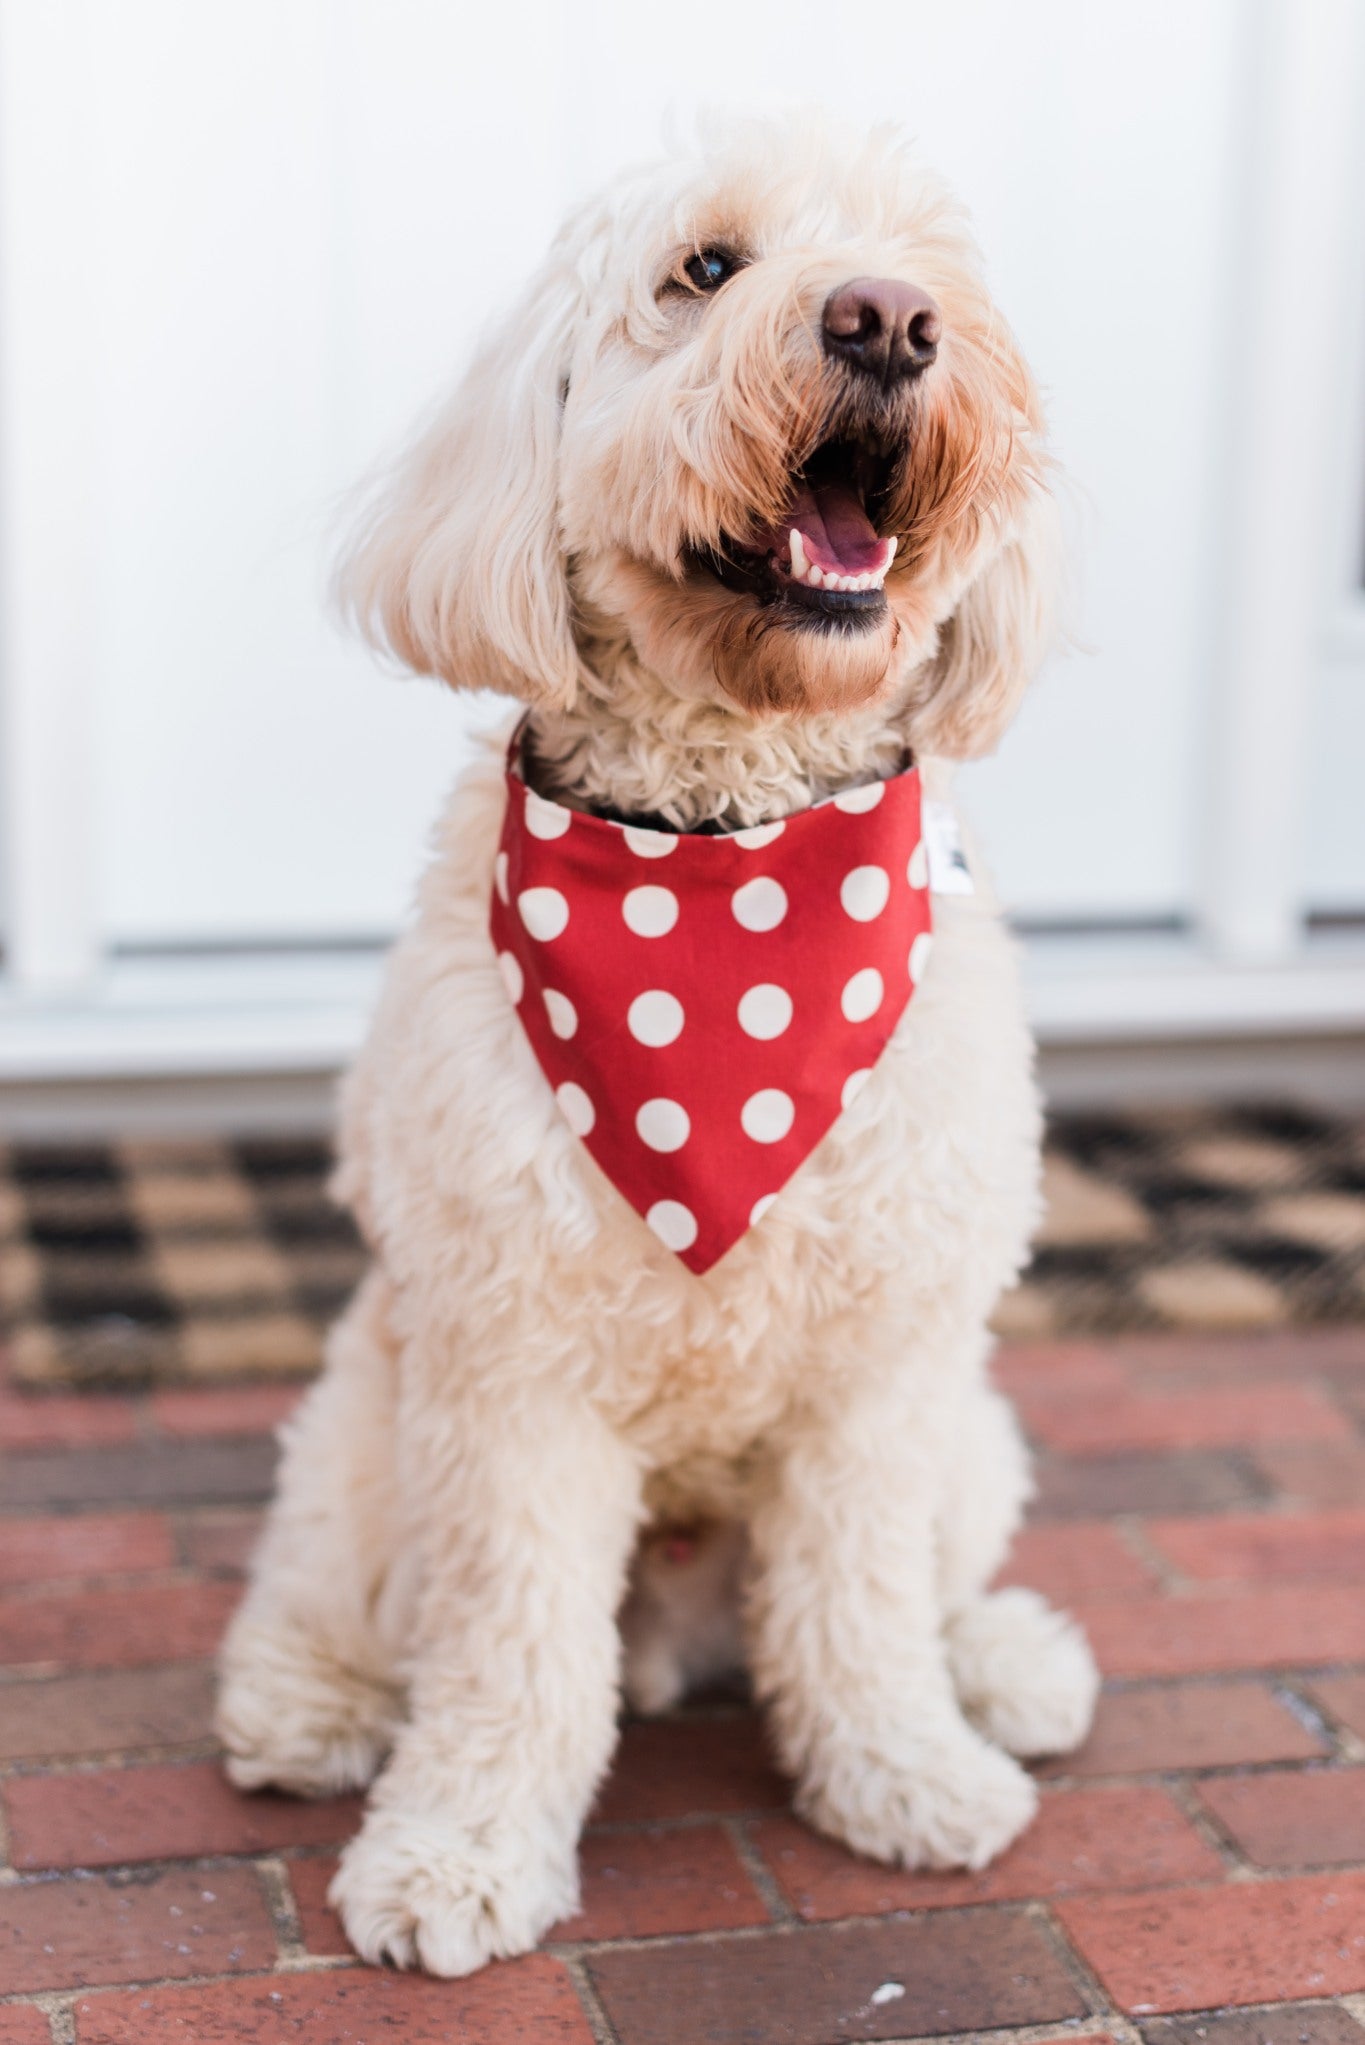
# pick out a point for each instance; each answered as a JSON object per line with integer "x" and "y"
{"x": 1131, "y": 1529}
{"x": 114, "y": 1761}
{"x": 1214, "y": 1834}
{"x": 760, "y": 1874}
{"x": 1082, "y": 1975}
{"x": 283, "y": 1910}
{"x": 599, "y": 2023}
{"x": 1315, "y": 1718}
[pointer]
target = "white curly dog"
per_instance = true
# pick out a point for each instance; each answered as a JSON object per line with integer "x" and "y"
{"x": 530, "y": 1394}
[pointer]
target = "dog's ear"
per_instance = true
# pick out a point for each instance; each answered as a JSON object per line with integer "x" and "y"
{"x": 458, "y": 568}
{"x": 994, "y": 641}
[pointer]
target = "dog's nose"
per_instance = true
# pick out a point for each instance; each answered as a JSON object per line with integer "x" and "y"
{"x": 888, "y": 329}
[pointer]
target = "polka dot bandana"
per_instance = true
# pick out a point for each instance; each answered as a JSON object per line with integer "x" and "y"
{"x": 704, "y": 1007}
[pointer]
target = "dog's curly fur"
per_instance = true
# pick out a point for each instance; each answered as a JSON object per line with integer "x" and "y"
{"x": 528, "y": 1380}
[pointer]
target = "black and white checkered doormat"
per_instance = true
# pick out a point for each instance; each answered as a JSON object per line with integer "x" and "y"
{"x": 145, "y": 1262}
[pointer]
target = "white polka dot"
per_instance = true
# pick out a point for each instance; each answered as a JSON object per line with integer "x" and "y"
{"x": 760, "y": 1208}
{"x": 855, "y": 801}
{"x": 577, "y": 1110}
{"x": 545, "y": 819}
{"x": 765, "y": 1011}
{"x": 512, "y": 977}
{"x": 655, "y": 1018}
{"x": 919, "y": 955}
{"x": 758, "y": 835}
{"x": 917, "y": 872}
{"x": 544, "y": 911}
{"x": 767, "y": 1115}
{"x": 674, "y": 1224}
{"x": 562, "y": 1013}
{"x": 760, "y": 904}
{"x": 865, "y": 892}
{"x": 854, "y": 1085}
{"x": 500, "y": 877}
{"x": 650, "y": 844}
{"x": 862, "y": 995}
{"x": 663, "y": 1125}
{"x": 650, "y": 912}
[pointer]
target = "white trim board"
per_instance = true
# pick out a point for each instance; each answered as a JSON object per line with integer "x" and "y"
{"x": 302, "y": 1012}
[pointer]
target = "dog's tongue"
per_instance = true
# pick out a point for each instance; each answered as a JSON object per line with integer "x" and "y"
{"x": 839, "y": 537}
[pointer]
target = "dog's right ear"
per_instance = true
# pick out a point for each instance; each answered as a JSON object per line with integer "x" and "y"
{"x": 458, "y": 568}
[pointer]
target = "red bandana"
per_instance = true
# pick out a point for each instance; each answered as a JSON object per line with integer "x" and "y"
{"x": 705, "y": 1006}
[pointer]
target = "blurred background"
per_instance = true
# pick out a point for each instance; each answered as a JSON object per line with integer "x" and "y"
{"x": 241, "y": 250}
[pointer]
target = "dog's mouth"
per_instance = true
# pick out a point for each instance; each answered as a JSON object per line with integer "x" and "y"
{"x": 826, "y": 558}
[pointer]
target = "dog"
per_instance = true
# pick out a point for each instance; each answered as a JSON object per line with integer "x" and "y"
{"x": 659, "y": 514}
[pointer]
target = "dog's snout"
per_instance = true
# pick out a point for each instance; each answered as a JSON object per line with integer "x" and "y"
{"x": 886, "y": 328}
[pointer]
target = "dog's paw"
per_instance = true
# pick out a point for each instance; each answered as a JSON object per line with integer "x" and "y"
{"x": 288, "y": 1720}
{"x": 955, "y": 1802}
{"x": 652, "y": 1678}
{"x": 1024, "y": 1673}
{"x": 413, "y": 1892}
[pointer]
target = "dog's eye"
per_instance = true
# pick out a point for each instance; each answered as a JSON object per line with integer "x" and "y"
{"x": 710, "y": 268}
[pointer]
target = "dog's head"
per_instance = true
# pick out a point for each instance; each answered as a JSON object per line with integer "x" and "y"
{"x": 758, "y": 417}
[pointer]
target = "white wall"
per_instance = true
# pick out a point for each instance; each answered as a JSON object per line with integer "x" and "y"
{"x": 285, "y": 218}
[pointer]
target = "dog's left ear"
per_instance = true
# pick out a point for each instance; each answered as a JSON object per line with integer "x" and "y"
{"x": 993, "y": 643}
{"x": 459, "y": 568}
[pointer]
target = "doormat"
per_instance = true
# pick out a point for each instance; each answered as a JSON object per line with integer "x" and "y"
{"x": 156, "y": 1262}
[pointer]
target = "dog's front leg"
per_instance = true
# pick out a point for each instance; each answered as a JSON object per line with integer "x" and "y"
{"x": 527, "y": 1510}
{"x": 848, "y": 1646}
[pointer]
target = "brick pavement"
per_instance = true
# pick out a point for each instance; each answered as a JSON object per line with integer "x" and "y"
{"x": 1196, "y": 1875}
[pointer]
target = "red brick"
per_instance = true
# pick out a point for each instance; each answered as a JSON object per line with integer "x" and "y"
{"x": 1280, "y": 1626}
{"x": 164, "y": 1811}
{"x": 221, "y": 1541}
{"x": 1261, "y": 1547}
{"x": 1081, "y": 1839}
{"x": 40, "y": 1420}
{"x": 93, "y": 1544}
{"x": 1191, "y": 1949}
{"x": 106, "y": 1713}
{"x": 1189, "y": 1725}
{"x": 1293, "y": 1817}
{"x": 115, "y": 1629}
{"x": 1285, "y": 1354}
{"x": 646, "y": 1884}
{"x": 206, "y": 1471}
{"x": 520, "y": 2002}
{"x": 1196, "y": 1481}
{"x": 22, "y": 2024}
{"x": 86, "y": 1930}
{"x": 977, "y": 1971}
{"x": 1218, "y": 1416}
{"x": 1065, "y": 1562}
{"x": 224, "y": 1409}
{"x": 1330, "y": 1473}
{"x": 1343, "y": 1699}
{"x": 1056, "y": 1370}
{"x": 690, "y": 1767}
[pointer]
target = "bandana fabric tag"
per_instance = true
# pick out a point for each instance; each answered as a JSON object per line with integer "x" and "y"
{"x": 705, "y": 1007}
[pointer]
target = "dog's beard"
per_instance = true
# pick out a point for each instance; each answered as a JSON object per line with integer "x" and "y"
{"x": 766, "y": 663}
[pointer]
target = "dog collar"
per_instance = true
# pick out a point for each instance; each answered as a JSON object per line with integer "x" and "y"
{"x": 705, "y": 1007}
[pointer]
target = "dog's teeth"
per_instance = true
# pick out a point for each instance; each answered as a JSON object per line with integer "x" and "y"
{"x": 815, "y": 577}
{"x": 892, "y": 555}
{"x": 800, "y": 566}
